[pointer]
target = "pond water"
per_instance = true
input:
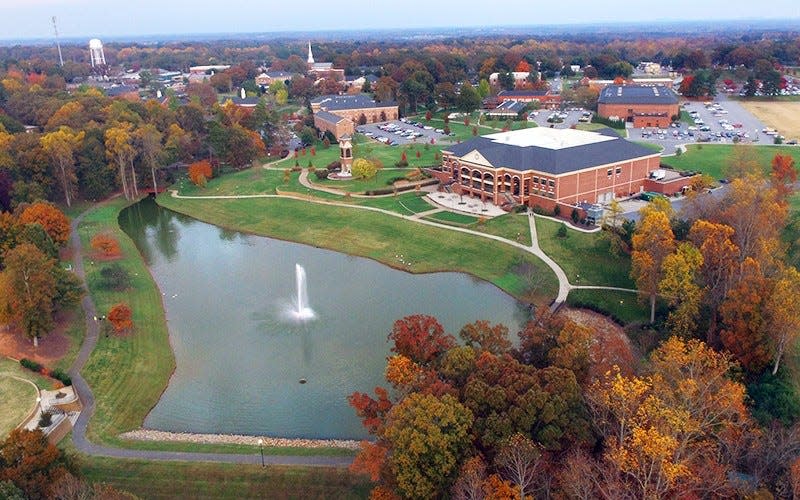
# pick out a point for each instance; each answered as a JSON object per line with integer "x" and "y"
{"x": 239, "y": 353}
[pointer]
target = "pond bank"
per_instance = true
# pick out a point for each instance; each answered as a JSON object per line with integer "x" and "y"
{"x": 186, "y": 437}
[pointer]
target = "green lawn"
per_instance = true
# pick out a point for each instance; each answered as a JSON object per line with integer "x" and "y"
{"x": 381, "y": 180}
{"x": 127, "y": 373}
{"x": 514, "y": 227}
{"x": 649, "y": 145}
{"x": 75, "y": 331}
{"x": 594, "y": 127}
{"x": 622, "y": 305}
{"x": 405, "y": 204}
{"x": 17, "y": 399}
{"x": 372, "y": 235}
{"x": 711, "y": 159}
{"x": 153, "y": 479}
{"x": 8, "y": 365}
{"x": 453, "y": 217}
{"x": 584, "y": 256}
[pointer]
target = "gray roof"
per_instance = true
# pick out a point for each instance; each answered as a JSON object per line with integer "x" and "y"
{"x": 522, "y": 93}
{"x": 117, "y": 90}
{"x": 329, "y": 117}
{"x": 247, "y": 101}
{"x": 553, "y": 161}
{"x": 508, "y": 107}
{"x": 279, "y": 74}
{"x": 357, "y": 101}
{"x": 637, "y": 94}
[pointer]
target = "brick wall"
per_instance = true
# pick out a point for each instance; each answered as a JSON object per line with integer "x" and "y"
{"x": 627, "y": 111}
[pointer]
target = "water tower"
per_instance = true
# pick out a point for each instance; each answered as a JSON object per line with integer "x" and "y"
{"x": 96, "y": 53}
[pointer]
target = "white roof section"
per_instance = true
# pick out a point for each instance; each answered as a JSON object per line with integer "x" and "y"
{"x": 548, "y": 138}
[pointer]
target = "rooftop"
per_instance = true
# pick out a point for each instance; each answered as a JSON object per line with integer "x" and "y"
{"x": 339, "y": 102}
{"x": 520, "y": 93}
{"x": 554, "y": 151}
{"x": 328, "y": 117}
{"x": 637, "y": 94}
{"x": 508, "y": 107}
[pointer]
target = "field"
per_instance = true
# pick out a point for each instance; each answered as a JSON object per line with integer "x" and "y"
{"x": 711, "y": 159}
{"x": 152, "y": 479}
{"x": 17, "y": 398}
{"x": 782, "y": 116}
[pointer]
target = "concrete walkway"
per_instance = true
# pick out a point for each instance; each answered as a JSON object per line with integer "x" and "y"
{"x": 79, "y": 437}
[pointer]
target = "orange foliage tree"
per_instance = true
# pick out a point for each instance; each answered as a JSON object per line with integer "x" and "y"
{"x": 121, "y": 317}
{"x": 652, "y": 243}
{"x": 106, "y": 244}
{"x": 53, "y": 220}
{"x": 783, "y": 176}
{"x": 200, "y": 172}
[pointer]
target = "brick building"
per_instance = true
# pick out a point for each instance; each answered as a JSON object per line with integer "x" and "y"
{"x": 544, "y": 97}
{"x": 351, "y": 108}
{"x": 644, "y": 106}
{"x": 547, "y": 167}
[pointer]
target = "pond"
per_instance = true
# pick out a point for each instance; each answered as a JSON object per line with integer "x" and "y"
{"x": 240, "y": 353}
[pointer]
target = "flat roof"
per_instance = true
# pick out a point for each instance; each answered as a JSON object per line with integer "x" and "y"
{"x": 637, "y": 94}
{"x": 552, "y": 151}
{"x": 548, "y": 138}
{"x": 356, "y": 101}
{"x": 328, "y": 117}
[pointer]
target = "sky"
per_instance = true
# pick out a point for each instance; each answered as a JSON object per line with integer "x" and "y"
{"x": 76, "y": 18}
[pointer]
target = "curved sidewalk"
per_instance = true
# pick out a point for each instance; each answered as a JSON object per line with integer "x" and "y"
{"x": 80, "y": 385}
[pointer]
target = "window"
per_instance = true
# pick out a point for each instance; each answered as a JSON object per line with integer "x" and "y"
{"x": 536, "y": 180}
{"x": 619, "y": 170}
{"x": 609, "y": 172}
{"x": 552, "y": 183}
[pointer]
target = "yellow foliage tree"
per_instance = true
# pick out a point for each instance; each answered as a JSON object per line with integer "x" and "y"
{"x": 364, "y": 169}
{"x": 652, "y": 242}
{"x": 60, "y": 146}
{"x": 782, "y": 309}
{"x": 681, "y": 289}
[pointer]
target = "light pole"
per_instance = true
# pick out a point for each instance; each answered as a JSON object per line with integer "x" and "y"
{"x": 261, "y": 449}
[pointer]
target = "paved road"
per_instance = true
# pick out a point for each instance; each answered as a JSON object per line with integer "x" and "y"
{"x": 87, "y": 398}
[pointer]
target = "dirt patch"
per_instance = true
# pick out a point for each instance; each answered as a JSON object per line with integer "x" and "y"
{"x": 783, "y": 116}
{"x": 610, "y": 346}
{"x": 51, "y": 348}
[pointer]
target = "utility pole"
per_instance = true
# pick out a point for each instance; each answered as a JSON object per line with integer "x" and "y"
{"x": 58, "y": 44}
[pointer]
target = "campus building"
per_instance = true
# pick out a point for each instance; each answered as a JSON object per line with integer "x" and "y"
{"x": 338, "y": 114}
{"x": 644, "y": 106}
{"x": 322, "y": 69}
{"x": 545, "y": 98}
{"x": 546, "y": 167}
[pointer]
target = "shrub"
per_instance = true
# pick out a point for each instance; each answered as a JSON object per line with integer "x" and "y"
{"x": 364, "y": 169}
{"x": 321, "y": 174}
{"x": 46, "y": 419}
{"x": 562, "y": 231}
{"x": 30, "y": 365}
{"x": 115, "y": 277}
{"x": 121, "y": 317}
{"x": 106, "y": 244}
{"x": 575, "y": 215}
{"x": 200, "y": 172}
{"x": 557, "y": 210}
{"x": 401, "y": 164}
{"x": 520, "y": 209}
{"x": 61, "y": 376}
{"x": 333, "y": 166}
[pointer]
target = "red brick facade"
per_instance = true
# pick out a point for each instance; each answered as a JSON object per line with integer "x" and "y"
{"x": 338, "y": 129}
{"x": 597, "y": 184}
{"x": 648, "y": 113}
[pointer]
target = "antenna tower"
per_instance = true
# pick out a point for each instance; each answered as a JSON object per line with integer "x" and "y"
{"x": 58, "y": 44}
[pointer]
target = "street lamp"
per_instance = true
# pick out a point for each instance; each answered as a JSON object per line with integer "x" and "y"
{"x": 261, "y": 448}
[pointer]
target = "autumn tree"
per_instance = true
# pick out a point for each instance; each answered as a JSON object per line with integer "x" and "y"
{"x": 31, "y": 462}
{"x": 420, "y": 338}
{"x": 53, "y": 220}
{"x": 200, "y": 172}
{"x": 148, "y": 141}
{"x": 782, "y": 311}
{"x": 120, "y": 150}
{"x": 783, "y": 176}
{"x": 518, "y": 460}
{"x": 652, "y": 242}
{"x": 742, "y": 162}
{"x": 679, "y": 286}
{"x": 429, "y": 436}
{"x": 32, "y": 288}
{"x": 106, "y": 244}
{"x": 121, "y": 317}
{"x": 61, "y": 146}
{"x": 483, "y": 336}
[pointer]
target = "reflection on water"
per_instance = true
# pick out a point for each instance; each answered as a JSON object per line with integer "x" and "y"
{"x": 239, "y": 363}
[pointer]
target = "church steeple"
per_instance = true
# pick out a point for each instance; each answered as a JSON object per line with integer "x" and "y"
{"x": 310, "y": 59}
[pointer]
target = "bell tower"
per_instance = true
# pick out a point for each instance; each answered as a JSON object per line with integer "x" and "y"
{"x": 346, "y": 155}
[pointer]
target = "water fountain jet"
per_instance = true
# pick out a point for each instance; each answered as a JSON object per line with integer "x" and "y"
{"x": 302, "y": 311}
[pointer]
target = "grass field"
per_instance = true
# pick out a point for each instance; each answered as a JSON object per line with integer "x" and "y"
{"x": 381, "y": 180}
{"x": 75, "y": 332}
{"x": 127, "y": 373}
{"x": 372, "y": 235}
{"x": 712, "y": 159}
{"x": 453, "y": 217}
{"x": 622, "y": 305}
{"x": 783, "y": 116}
{"x": 584, "y": 257}
{"x": 154, "y": 480}
{"x": 17, "y": 399}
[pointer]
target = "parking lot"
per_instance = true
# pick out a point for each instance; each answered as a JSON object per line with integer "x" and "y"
{"x": 718, "y": 122}
{"x": 397, "y": 132}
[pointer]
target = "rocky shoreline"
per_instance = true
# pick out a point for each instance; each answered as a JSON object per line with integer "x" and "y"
{"x": 186, "y": 437}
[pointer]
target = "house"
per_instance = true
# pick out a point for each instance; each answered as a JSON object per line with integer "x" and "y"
{"x": 265, "y": 79}
{"x": 520, "y": 78}
{"x": 322, "y": 69}
{"x": 544, "y": 97}
{"x": 355, "y": 108}
{"x": 546, "y": 167}
{"x": 644, "y": 106}
{"x": 506, "y": 110}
